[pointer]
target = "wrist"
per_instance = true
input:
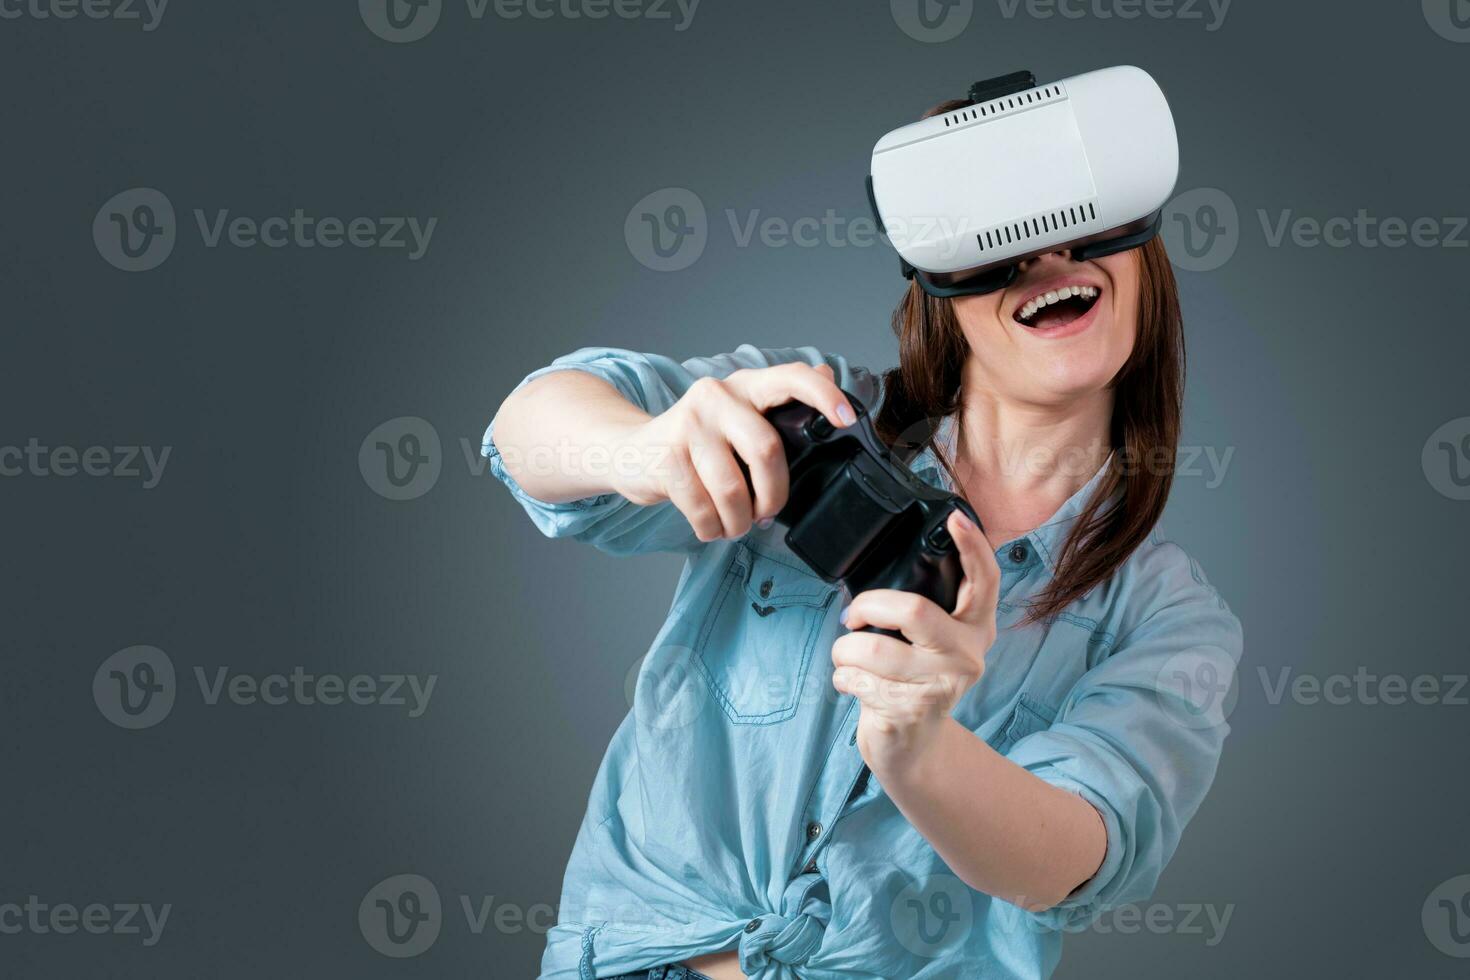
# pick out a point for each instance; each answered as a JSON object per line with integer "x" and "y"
{"x": 638, "y": 468}
{"x": 913, "y": 754}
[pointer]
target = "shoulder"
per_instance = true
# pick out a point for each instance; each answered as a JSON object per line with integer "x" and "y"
{"x": 1162, "y": 585}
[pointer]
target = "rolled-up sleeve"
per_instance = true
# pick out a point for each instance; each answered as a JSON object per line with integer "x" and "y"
{"x": 1139, "y": 737}
{"x": 654, "y": 383}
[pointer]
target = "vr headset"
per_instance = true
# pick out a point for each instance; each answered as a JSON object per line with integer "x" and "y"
{"x": 1084, "y": 164}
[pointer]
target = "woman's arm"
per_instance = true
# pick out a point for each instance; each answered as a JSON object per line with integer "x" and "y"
{"x": 545, "y": 428}
{"x": 570, "y": 435}
{"x": 1002, "y": 830}
{"x": 1075, "y": 818}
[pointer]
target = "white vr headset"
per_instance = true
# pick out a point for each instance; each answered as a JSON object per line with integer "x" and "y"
{"x": 1084, "y": 164}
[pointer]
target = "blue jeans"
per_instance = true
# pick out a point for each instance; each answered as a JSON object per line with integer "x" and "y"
{"x": 671, "y": 972}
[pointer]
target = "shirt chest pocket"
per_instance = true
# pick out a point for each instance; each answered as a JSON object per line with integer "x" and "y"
{"x": 756, "y": 642}
{"x": 1028, "y": 716}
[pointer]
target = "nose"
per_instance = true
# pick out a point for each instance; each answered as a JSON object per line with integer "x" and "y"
{"x": 1061, "y": 255}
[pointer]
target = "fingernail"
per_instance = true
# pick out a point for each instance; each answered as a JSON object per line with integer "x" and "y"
{"x": 842, "y": 616}
{"x": 765, "y": 522}
{"x": 846, "y": 414}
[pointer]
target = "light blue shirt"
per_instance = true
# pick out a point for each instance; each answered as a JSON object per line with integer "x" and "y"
{"x": 728, "y": 812}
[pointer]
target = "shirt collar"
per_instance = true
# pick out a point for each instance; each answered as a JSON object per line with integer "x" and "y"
{"x": 1046, "y": 540}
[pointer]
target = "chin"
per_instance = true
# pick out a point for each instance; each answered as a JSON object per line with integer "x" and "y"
{"x": 1077, "y": 367}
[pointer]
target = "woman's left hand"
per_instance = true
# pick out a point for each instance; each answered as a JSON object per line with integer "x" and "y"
{"x": 907, "y": 690}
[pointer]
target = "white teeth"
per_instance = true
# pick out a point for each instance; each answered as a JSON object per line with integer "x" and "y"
{"x": 1055, "y": 296}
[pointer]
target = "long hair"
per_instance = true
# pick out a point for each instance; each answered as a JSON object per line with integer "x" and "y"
{"x": 1148, "y": 402}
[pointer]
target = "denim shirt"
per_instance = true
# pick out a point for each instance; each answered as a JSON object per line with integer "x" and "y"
{"x": 732, "y": 809}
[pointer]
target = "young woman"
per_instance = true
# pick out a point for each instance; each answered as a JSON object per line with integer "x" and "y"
{"x": 790, "y": 798}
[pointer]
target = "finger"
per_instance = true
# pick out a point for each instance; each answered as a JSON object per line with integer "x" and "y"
{"x": 918, "y": 618}
{"x": 758, "y": 443}
{"x": 724, "y": 482}
{"x": 770, "y": 387}
{"x": 880, "y": 693}
{"x": 982, "y": 575}
{"x": 885, "y": 656}
{"x": 686, "y": 492}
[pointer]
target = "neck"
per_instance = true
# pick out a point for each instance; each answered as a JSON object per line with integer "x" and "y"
{"x": 1018, "y": 462}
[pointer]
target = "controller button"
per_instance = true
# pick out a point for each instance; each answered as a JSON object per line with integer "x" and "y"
{"x": 1018, "y": 553}
{"x": 938, "y": 538}
{"x": 819, "y": 428}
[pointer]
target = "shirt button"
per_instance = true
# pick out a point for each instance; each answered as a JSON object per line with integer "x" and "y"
{"x": 1018, "y": 553}
{"x": 811, "y": 867}
{"x": 752, "y": 925}
{"x": 813, "y": 830}
{"x": 765, "y": 589}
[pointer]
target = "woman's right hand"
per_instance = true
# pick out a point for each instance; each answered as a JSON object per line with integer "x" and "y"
{"x": 688, "y": 455}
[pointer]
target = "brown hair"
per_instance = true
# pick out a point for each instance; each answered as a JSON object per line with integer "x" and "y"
{"x": 1148, "y": 396}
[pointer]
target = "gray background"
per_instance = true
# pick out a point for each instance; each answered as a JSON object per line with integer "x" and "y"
{"x": 263, "y": 547}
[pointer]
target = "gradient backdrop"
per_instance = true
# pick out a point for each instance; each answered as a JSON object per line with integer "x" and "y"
{"x": 1320, "y": 236}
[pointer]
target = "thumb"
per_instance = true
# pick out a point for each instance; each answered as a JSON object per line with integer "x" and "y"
{"x": 982, "y": 575}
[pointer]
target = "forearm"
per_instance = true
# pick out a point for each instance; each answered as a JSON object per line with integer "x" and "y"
{"x": 1001, "y": 829}
{"x": 560, "y": 436}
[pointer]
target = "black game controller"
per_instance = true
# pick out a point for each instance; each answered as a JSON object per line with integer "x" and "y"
{"x": 858, "y": 517}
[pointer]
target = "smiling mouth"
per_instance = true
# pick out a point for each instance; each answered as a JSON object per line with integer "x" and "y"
{"x": 1056, "y": 307}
